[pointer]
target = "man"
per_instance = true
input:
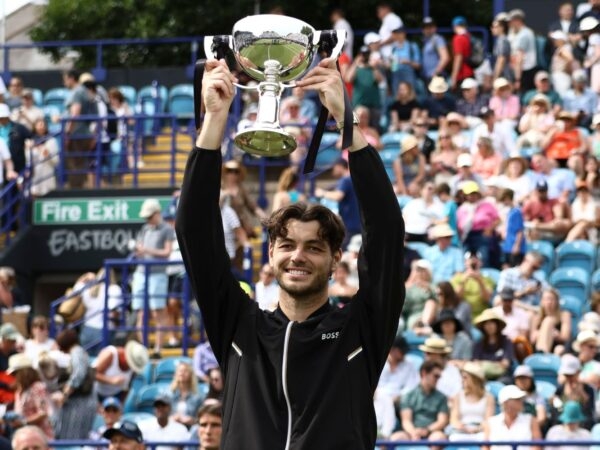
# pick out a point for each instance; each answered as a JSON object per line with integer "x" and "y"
{"x": 435, "y": 51}
{"x": 390, "y": 21}
{"x": 112, "y": 410}
{"x": 124, "y": 436}
{"x": 546, "y": 218}
{"x": 560, "y": 183}
{"x": 210, "y": 427}
{"x": 516, "y": 318}
{"x": 9, "y": 335}
{"x": 6, "y": 161}
{"x": 471, "y": 102}
{"x": 345, "y": 195}
{"x": 28, "y": 437}
{"x": 581, "y": 99}
{"x": 472, "y": 286}
{"x": 162, "y": 428}
{"x": 501, "y": 134}
{"x": 437, "y": 350}
{"x": 445, "y": 259}
{"x": 521, "y": 279}
{"x": 461, "y": 51}
{"x": 338, "y": 19}
{"x": 399, "y": 375}
{"x": 424, "y": 410}
{"x": 267, "y": 289}
{"x": 154, "y": 242}
{"x": 464, "y": 163}
{"x": 523, "y": 51}
{"x": 542, "y": 85}
{"x": 288, "y": 373}
{"x": 566, "y": 23}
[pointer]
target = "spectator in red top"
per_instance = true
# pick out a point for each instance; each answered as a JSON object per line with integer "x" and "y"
{"x": 545, "y": 218}
{"x": 461, "y": 52}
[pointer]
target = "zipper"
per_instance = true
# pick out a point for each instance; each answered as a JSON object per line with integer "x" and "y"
{"x": 286, "y": 343}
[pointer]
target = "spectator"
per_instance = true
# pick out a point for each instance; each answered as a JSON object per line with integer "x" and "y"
{"x": 296, "y": 125}
{"x": 420, "y": 303}
{"x": 522, "y": 279}
{"x": 424, "y": 410}
{"x": 501, "y": 135}
{"x": 367, "y": 127}
{"x": 390, "y": 21}
{"x": 471, "y": 407}
{"x": 350, "y": 256}
{"x": 517, "y": 320}
{"x": 502, "y": 50}
{"x": 505, "y": 104}
{"x": 471, "y": 102}
{"x": 27, "y": 114}
{"x": 77, "y": 402}
{"x": 446, "y": 259}
{"x": 563, "y": 63}
{"x": 580, "y": 100}
{"x": 571, "y": 388}
{"x": 514, "y": 176}
{"x": 486, "y": 161}
{"x": 399, "y": 376}
{"x": 340, "y": 291}
{"x": 444, "y": 159}
{"x": 564, "y": 140}
{"x": 162, "y": 427}
{"x": 477, "y": 220}
{"x": 236, "y": 238}
{"x": 465, "y": 174}
{"x": 186, "y": 399}
{"x": 569, "y": 430}
{"x": 124, "y": 434}
{"x": 592, "y": 175}
{"x": 123, "y": 110}
{"x": 585, "y": 215}
{"x": 566, "y": 22}
{"x": 116, "y": 366}
{"x": 32, "y": 402}
{"x": 439, "y": 103}
{"x": 404, "y": 61}
{"x": 39, "y": 342}
{"x": 511, "y": 424}
{"x": 9, "y": 336}
{"x": 455, "y": 124}
{"x": 344, "y": 194}
{"x": 215, "y": 385}
{"x": 404, "y": 109}
{"x": 15, "y": 93}
{"x": 287, "y": 189}
{"x": 494, "y": 352}
{"x": 154, "y": 242}
{"x": 42, "y": 156}
{"x": 365, "y": 75}
{"x": 338, "y": 19}
{"x": 449, "y": 328}
{"x": 435, "y": 51}
{"x": 560, "y": 183}
{"x": 514, "y": 244}
{"x": 204, "y": 360}
{"x": 461, "y": 51}
{"x": 523, "y": 50}
{"x": 437, "y": 350}
{"x": 472, "y": 286}
{"x": 586, "y": 345}
{"x": 535, "y": 123}
{"x": 442, "y": 190}
{"x": 546, "y": 218}
{"x": 543, "y": 86}
{"x": 27, "y": 438}
{"x": 9, "y": 173}
{"x": 533, "y": 403}
{"x": 425, "y": 143}
{"x": 112, "y": 411}
{"x": 210, "y": 427}
{"x": 267, "y": 289}
{"x": 424, "y": 211}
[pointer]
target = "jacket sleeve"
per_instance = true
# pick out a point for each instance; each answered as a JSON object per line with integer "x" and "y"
{"x": 380, "y": 260}
{"x": 199, "y": 231}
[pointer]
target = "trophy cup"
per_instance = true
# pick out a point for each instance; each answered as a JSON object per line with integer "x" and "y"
{"x": 273, "y": 50}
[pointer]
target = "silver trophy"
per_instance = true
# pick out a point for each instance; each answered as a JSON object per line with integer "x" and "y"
{"x": 273, "y": 50}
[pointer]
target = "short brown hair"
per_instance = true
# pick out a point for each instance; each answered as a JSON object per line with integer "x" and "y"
{"x": 331, "y": 227}
{"x": 211, "y": 410}
{"x": 66, "y": 340}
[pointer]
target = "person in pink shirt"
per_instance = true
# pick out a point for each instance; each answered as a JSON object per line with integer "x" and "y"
{"x": 505, "y": 104}
{"x": 477, "y": 220}
{"x": 486, "y": 161}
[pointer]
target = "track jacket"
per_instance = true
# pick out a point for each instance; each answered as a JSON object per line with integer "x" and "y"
{"x": 291, "y": 385}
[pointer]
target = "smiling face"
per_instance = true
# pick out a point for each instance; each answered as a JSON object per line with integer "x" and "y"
{"x": 303, "y": 261}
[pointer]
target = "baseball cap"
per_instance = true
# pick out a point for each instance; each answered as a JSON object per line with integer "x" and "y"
{"x": 486, "y": 112}
{"x": 569, "y": 365}
{"x": 162, "y": 397}
{"x": 428, "y": 21}
{"x": 4, "y": 110}
{"x": 523, "y": 371}
{"x": 464, "y": 160}
{"x": 469, "y": 83}
{"x": 541, "y": 185}
{"x": 542, "y": 75}
{"x": 126, "y": 428}
{"x": 507, "y": 294}
{"x": 9, "y": 332}
{"x": 459, "y": 21}
{"x": 510, "y": 392}
{"x": 112, "y": 402}
{"x": 516, "y": 14}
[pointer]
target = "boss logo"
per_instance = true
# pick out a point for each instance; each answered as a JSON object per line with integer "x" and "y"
{"x": 332, "y": 335}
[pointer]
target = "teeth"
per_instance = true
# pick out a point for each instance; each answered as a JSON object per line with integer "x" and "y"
{"x": 297, "y": 272}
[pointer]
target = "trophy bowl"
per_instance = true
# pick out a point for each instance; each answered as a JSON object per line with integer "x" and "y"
{"x": 273, "y": 50}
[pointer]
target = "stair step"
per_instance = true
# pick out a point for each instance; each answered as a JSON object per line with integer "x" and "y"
{"x": 153, "y": 179}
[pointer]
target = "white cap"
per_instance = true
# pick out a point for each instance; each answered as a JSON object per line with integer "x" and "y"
{"x": 371, "y": 38}
{"x": 464, "y": 160}
{"x": 4, "y": 110}
{"x": 510, "y": 392}
{"x": 588, "y": 23}
{"x": 569, "y": 365}
{"x": 469, "y": 83}
{"x": 558, "y": 35}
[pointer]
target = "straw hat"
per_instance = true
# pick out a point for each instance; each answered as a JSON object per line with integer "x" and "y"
{"x": 150, "y": 207}
{"x": 486, "y": 316}
{"x": 540, "y": 99}
{"x": 438, "y": 85}
{"x": 435, "y": 345}
{"x": 408, "y": 143}
{"x": 19, "y": 361}
{"x": 585, "y": 336}
{"x": 472, "y": 368}
{"x": 500, "y": 83}
{"x": 136, "y": 356}
{"x": 441, "y": 230}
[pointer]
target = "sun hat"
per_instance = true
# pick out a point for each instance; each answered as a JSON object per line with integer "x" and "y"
{"x": 441, "y": 230}
{"x": 438, "y": 85}
{"x": 149, "y": 207}
{"x": 18, "y": 361}
{"x": 510, "y": 392}
{"x": 136, "y": 356}
{"x": 424, "y": 264}
{"x": 486, "y": 316}
{"x": 516, "y": 14}
{"x": 540, "y": 99}
{"x": 445, "y": 315}
{"x": 435, "y": 345}
{"x": 126, "y": 428}
{"x": 558, "y": 35}
{"x": 541, "y": 75}
{"x": 589, "y": 321}
{"x": 409, "y": 142}
{"x": 469, "y": 83}
{"x": 588, "y": 23}
{"x": 500, "y": 83}
{"x": 572, "y": 412}
{"x": 569, "y": 365}
{"x": 585, "y": 336}
{"x": 472, "y": 368}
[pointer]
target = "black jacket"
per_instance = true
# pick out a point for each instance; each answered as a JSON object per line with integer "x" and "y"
{"x": 291, "y": 385}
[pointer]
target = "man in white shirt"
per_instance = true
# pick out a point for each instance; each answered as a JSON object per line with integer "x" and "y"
{"x": 267, "y": 289}
{"x": 502, "y": 136}
{"x": 398, "y": 375}
{"x": 438, "y": 350}
{"x": 339, "y": 22}
{"x": 523, "y": 51}
{"x": 516, "y": 318}
{"x": 390, "y": 21}
{"x": 162, "y": 428}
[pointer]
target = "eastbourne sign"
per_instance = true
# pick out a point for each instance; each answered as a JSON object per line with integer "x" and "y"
{"x": 81, "y": 211}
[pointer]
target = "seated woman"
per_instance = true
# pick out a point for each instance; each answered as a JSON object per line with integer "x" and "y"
{"x": 420, "y": 303}
{"x": 534, "y": 403}
{"x": 444, "y": 159}
{"x": 504, "y": 103}
{"x": 471, "y": 407}
{"x": 535, "y": 123}
{"x": 585, "y": 215}
{"x": 341, "y": 291}
{"x": 550, "y": 326}
{"x": 513, "y": 175}
{"x": 404, "y": 109}
{"x": 447, "y": 326}
{"x": 185, "y": 397}
{"x": 449, "y": 299}
{"x": 486, "y": 161}
{"x": 409, "y": 168}
{"x": 564, "y": 139}
{"x": 494, "y": 352}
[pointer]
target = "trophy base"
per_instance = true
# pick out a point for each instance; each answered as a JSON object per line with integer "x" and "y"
{"x": 265, "y": 142}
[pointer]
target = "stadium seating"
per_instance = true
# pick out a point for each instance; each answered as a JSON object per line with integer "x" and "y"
{"x": 145, "y": 398}
{"x": 595, "y": 283}
{"x": 137, "y": 417}
{"x": 328, "y": 153}
{"x": 146, "y": 96}
{"x": 165, "y": 369}
{"x": 491, "y": 273}
{"x": 56, "y": 98}
{"x": 546, "y": 249}
{"x": 130, "y": 94}
{"x": 181, "y": 101}
{"x": 38, "y": 97}
{"x": 545, "y": 389}
{"x": 415, "y": 360}
{"x": 571, "y": 281}
{"x": 420, "y": 247}
{"x": 544, "y": 367}
{"x": 576, "y": 254}
{"x": 393, "y": 139}
{"x": 414, "y": 340}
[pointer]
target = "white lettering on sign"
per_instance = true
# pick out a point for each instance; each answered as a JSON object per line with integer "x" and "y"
{"x": 59, "y": 212}
{"x": 64, "y": 240}
{"x": 98, "y": 210}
